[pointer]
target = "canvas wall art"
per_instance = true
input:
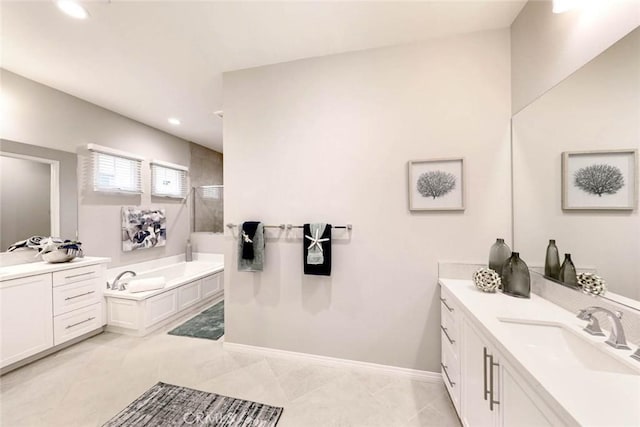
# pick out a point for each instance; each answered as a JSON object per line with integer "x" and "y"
{"x": 143, "y": 228}
{"x": 436, "y": 185}
{"x": 599, "y": 180}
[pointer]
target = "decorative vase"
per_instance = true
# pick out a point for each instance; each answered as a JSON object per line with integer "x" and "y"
{"x": 568, "y": 272}
{"x": 552, "y": 262}
{"x": 515, "y": 277}
{"x": 498, "y": 255}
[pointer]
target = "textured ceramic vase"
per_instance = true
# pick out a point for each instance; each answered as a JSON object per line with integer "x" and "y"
{"x": 498, "y": 255}
{"x": 552, "y": 262}
{"x": 568, "y": 272}
{"x": 515, "y": 277}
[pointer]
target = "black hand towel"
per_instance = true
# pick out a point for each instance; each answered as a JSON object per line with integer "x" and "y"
{"x": 247, "y": 234}
{"x": 323, "y": 240}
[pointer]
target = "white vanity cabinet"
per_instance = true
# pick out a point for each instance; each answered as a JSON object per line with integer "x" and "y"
{"x": 485, "y": 390}
{"x": 45, "y": 305}
{"x": 26, "y": 317}
{"x": 481, "y": 379}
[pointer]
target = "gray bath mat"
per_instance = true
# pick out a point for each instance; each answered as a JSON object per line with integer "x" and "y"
{"x": 171, "y": 405}
{"x": 208, "y": 324}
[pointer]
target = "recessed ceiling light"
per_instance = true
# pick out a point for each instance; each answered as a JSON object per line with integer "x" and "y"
{"x": 174, "y": 121}
{"x": 561, "y": 6}
{"x": 72, "y": 8}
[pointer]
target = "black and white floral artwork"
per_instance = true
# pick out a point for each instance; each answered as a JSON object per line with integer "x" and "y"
{"x": 143, "y": 228}
{"x": 599, "y": 180}
{"x": 436, "y": 184}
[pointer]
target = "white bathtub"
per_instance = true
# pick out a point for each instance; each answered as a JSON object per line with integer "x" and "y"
{"x": 189, "y": 287}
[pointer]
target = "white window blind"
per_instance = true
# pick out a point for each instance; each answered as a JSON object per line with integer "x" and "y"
{"x": 212, "y": 191}
{"x": 114, "y": 171}
{"x": 168, "y": 180}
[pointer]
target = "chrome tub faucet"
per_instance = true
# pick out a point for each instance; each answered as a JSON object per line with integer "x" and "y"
{"x": 616, "y": 338}
{"x": 116, "y": 285}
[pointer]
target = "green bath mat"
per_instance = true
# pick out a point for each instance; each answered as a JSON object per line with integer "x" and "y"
{"x": 209, "y": 324}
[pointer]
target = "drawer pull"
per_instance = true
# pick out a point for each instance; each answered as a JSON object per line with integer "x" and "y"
{"x": 484, "y": 370}
{"x": 446, "y": 373}
{"x": 79, "y": 275}
{"x": 444, "y": 301}
{"x": 446, "y": 334}
{"x": 78, "y": 296}
{"x": 79, "y": 323}
{"x": 492, "y": 401}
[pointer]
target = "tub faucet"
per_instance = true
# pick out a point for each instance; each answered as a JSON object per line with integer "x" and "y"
{"x": 116, "y": 285}
{"x": 617, "y": 338}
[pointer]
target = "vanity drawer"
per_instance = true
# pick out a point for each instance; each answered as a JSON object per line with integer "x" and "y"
{"x": 75, "y": 295}
{"x": 448, "y": 306}
{"x": 450, "y": 369}
{"x": 77, "y": 274}
{"x": 75, "y": 323}
{"x": 449, "y": 332}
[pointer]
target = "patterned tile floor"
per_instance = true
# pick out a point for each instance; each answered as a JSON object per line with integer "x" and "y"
{"x": 88, "y": 383}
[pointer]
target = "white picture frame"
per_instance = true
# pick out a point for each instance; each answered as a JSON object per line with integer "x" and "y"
{"x": 600, "y": 180}
{"x": 436, "y": 184}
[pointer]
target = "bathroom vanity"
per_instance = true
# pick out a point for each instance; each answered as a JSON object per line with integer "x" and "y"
{"x": 527, "y": 362}
{"x": 44, "y": 307}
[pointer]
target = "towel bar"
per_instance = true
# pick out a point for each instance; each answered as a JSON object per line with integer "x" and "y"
{"x": 290, "y": 226}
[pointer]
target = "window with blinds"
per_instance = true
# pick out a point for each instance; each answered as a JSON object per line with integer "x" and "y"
{"x": 168, "y": 180}
{"x": 116, "y": 173}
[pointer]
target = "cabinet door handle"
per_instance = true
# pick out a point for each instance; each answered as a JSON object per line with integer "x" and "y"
{"x": 484, "y": 372}
{"x": 80, "y": 323}
{"x": 79, "y": 275}
{"x": 444, "y": 301}
{"x": 492, "y": 401}
{"x": 78, "y": 296}
{"x": 446, "y": 334}
{"x": 446, "y": 373}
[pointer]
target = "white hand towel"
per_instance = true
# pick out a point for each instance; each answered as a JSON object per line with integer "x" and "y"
{"x": 142, "y": 285}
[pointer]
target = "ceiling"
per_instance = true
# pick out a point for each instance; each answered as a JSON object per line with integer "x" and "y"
{"x": 151, "y": 60}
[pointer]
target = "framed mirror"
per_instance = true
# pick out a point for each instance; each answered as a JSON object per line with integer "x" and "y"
{"x": 591, "y": 120}
{"x": 38, "y": 192}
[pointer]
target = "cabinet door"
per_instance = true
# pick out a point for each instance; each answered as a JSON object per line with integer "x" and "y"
{"x": 477, "y": 376}
{"x": 211, "y": 285}
{"x": 518, "y": 407}
{"x": 26, "y": 318}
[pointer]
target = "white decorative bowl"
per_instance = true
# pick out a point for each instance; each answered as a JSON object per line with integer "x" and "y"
{"x": 59, "y": 255}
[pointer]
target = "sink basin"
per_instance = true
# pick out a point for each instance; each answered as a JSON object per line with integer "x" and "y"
{"x": 557, "y": 344}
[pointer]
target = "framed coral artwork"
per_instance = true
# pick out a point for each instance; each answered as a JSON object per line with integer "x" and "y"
{"x": 436, "y": 185}
{"x": 600, "y": 180}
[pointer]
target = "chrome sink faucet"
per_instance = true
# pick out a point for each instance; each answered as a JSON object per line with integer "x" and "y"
{"x": 116, "y": 285}
{"x": 617, "y": 338}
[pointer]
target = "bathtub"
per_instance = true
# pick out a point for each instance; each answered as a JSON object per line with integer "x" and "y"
{"x": 189, "y": 287}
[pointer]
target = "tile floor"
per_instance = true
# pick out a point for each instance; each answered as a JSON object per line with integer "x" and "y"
{"x": 88, "y": 383}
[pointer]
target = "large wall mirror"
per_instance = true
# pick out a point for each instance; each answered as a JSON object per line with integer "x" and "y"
{"x": 591, "y": 116}
{"x": 38, "y": 192}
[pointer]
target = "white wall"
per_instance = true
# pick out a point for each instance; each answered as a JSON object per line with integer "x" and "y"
{"x": 39, "y": 115}
{"x": 597, "y": 108}
{"x": 328, "y": 139}
{"x": 548, "y": 47}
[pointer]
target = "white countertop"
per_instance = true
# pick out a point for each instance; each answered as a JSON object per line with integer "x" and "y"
{"x": 41, "y": 267}
{"x": 585, "y": 396}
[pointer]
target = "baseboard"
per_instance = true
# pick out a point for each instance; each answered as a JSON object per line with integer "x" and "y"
{"x": 50, "y": 351}
{"x": 414, "y": 374}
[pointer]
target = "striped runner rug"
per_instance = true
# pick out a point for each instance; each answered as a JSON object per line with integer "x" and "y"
{"x": 172, "y": 405}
